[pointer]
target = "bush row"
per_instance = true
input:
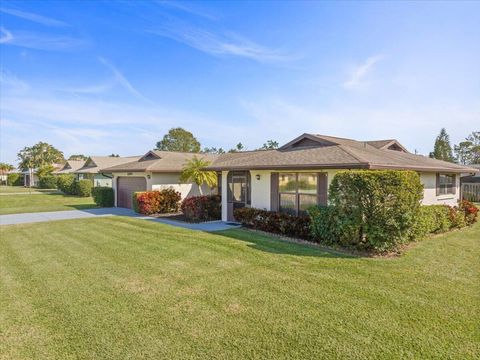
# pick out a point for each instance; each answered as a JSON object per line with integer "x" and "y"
{"x": 47, "y": 182}
{"x": 275, "y": 222}
{"x": 202, "y": 208}
{"x": 156, "y": 202}
{"x": 70, "y": 186}
{"x": 15, "y": 179}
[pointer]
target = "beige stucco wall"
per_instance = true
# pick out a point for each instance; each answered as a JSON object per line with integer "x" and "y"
{"x": 159, "y": 181}
{"x": 261, "y": 189}
{"x": 429, "y": 181}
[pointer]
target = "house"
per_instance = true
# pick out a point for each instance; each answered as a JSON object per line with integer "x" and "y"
{"x": 93, "y": 168}
{"x": 70, "y": 167}
{"x": 155, "y": 170}
{"x": 471, "y": 184}
{"x": 30, "y": 176}
{"x": 298, "y": 174}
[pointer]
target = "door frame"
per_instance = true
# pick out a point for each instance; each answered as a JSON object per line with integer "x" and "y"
{"x": 231, "y": 204}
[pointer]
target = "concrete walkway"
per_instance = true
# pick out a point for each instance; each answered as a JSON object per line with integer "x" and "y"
{"x": 26, "y": 218}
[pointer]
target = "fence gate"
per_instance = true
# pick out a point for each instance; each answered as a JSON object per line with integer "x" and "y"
{"x": 471, "y": 192}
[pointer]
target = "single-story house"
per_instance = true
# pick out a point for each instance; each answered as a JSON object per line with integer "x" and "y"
{"x": 30, "y": 176}
{"x": 94, "y": 166}
{"x": 155, "y": 170}
{"x": 471, "y": 184}
{"x": 298, "y": 174}
{"x": 70, "y": 167}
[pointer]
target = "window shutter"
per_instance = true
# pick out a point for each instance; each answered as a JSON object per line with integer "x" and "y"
{"x": 274, "y": 197}
{"x": 229, "y": 186}
{"x": 249, "y": 188}
{"x": 322, "y": 189}
{"x": 454, "y": 190}
{"x": 437, "y": 185}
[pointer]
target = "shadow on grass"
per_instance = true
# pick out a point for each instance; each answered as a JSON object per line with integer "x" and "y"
{"x": 275, "y": 245}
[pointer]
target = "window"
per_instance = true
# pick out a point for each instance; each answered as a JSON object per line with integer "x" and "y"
{"x": 445, "y": 184}
{"x": 297, "y": 191}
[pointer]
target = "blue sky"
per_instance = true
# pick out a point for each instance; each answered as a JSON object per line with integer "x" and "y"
{"x": 101, "y": 77}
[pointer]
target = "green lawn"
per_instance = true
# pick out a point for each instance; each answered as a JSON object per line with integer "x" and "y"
{"x": 15, "y": 204}
{"x": 20, "y": 189}
{"x": 119, "y": 288}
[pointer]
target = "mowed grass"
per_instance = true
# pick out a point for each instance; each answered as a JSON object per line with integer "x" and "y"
{"x": 20, "y": 189}
{"x": 122, "y": 288}
{"x": 25, "y": 203}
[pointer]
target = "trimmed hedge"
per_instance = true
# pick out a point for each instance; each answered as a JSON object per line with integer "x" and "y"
{"x": 47, "y": 182}
{"x": 202, "y": 208}
{"x": 103, "y": 196}
{"x": 83, "y": 188}
{"x": 66, "y": 183}
{"x": 275, "y": 222}
{"x": 156, "y": 202}
{"x": 15, "y": 179}
{"x": 375, "y": 210}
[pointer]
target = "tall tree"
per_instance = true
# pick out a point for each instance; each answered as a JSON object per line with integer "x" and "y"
{"x": 6, "y": 167}
{"x": 38, "y": 155}
{"x": 442, "y": 150}
{"x": 179, "y": 139}
{"x": 78, "y": 157}
{"x": 270, "y": 145}
{"x": 468, "y": 151}
{"x": 193, "y": 171}
{"x": 213, "y": 150}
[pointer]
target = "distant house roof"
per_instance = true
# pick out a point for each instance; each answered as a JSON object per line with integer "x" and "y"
{"x": 311, "y": 151}
{"x": 97, "y": 164}
{"x": 71, "y": 166}
{"x": 160, "y": 161}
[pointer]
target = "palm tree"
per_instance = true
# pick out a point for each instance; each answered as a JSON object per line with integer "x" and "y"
{"x": 192, "y": 171}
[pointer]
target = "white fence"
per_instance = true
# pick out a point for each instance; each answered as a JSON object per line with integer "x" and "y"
{"x": 471, "y": 192}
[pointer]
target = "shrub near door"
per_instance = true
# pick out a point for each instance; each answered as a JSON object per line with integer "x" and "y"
{"x": 202, "y": 208}
{"x": 156, "y": 202}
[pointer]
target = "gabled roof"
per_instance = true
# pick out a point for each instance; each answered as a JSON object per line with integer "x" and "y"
{"x": 160, "y": 161}
{"x": 71, "y": 166}
{"x": 310, "y": 151}
{"x": 97, "y": 164}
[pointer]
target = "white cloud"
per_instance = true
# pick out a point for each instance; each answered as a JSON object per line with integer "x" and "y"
{"x": 8, "y": 81}
{"x": 181, "y": 6}
{"x": 6, "y": 36}
{"x": 40, "y": 19}
{"x": 218, "y": 44}
{"x": 40, "y": 41}
{"x": 359, "y": 73}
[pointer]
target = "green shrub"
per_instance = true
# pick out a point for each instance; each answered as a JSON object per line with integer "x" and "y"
{"x": 83, "y": 188}
{"x": 47, "y": 182}
{"x": 431, "y": 219}
{"x": 15, "y": 179}
{"x": 376, "y": 210}
{"x": 274, "y": 222}
{"x": 103, "y": 196}
{"x": 323, "y": 224}
{"x": 135, "y": 202}
{"x": 66, "y": 183}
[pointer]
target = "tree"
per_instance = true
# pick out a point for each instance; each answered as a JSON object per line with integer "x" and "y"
{"x": 78, "y": 157}
{"x": 213, "y": 150}
{"x": 39, "y": 155}
{"x": 113, "y": 155}
{"x": 6, "y": 167}
{"x": 270, "y": 145}
{"x": 468, "y": 151}
{"x": 442, "y": 149}
{"x": 237, "y": 148}
{"x": 192, "y": 172}
{"x": 179, "y": 139}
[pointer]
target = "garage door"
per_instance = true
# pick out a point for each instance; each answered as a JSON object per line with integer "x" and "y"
{"x": 126, "y": 186}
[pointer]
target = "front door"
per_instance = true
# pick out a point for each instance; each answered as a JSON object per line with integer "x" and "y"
{"x": 238, "y": 183}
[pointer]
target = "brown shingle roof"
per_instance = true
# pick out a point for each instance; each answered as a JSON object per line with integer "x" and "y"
{"x": 342, "y": 153}
{"x": 71, "y": 166}
{"x": 160, "y": 161}
{"x": 97, "y": 164}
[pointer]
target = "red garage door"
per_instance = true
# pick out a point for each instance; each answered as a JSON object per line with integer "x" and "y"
{"x": 126, "y": 186}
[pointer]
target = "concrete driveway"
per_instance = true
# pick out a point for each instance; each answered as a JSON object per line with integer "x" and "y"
{"x": 12, "y": 219}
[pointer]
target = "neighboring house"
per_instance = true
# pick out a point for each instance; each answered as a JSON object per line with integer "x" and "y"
{"x": 30, "y": 177}
{"x": 155, "y": 170}
{"x": 70, "y": 167}
{"x": 94, "y": 165}
{"x": 297, "y": 175}
{"x": 471, "y": 185}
